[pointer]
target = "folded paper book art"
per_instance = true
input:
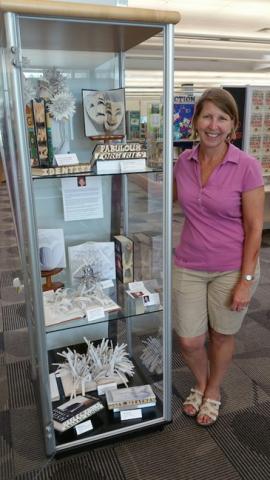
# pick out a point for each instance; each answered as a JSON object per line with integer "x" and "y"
{"x": 74, "y": 411}
{"x": 66, "y": 304}
{"x": 104, "y": 113}
{"x": 49, "y": 109}
{"x": 97, "y": 255}
{"x": 101, "y": 364}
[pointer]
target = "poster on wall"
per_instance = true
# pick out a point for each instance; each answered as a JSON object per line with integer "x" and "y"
{"x": 258, "y": 125}
{"x": 183, "y": 109}
{"x": 239, "y": 95}
{"x": 104, "y": 113}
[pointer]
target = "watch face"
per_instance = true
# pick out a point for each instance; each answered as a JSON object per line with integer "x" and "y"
{"x": 249, "y": 277}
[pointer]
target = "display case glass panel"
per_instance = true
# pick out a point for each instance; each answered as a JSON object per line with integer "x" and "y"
{"x": 94, "y": 225}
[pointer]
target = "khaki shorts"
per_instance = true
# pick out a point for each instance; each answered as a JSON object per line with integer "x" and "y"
{"x": 203, "y": 299}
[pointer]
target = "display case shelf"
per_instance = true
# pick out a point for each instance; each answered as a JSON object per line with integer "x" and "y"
{"x": 146, "y": 171}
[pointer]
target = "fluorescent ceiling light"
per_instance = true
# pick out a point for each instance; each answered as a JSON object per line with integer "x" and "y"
{"x": 146, "y": 79}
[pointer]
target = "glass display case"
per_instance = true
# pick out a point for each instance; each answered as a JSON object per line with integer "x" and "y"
{"x": 95, "y": 243}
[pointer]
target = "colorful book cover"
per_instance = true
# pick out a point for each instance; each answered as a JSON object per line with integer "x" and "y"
{"x": 183, "y": 109}
{"x": 31, "y": 135}
{"x": 49, "y": 134}
{"x": 123, "y": 258}
{"x": 39, "y": 115}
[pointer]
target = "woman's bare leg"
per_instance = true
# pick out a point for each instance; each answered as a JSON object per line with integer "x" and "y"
{"x": 220, "y": 352}
{"x": 195, "y": 356}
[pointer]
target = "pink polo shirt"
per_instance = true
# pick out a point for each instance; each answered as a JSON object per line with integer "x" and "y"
{"x": 212, "y": 236}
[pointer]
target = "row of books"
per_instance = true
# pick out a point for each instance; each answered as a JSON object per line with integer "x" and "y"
{"x": 78, "y": 409}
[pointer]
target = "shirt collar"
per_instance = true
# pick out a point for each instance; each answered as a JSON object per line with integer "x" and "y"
{"x": 232, "y": 155}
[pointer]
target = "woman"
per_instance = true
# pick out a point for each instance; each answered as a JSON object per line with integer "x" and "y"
{"x": 220, "y": 189}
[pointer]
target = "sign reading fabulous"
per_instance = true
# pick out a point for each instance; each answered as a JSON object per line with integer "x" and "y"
{"x": 119, "y": 151}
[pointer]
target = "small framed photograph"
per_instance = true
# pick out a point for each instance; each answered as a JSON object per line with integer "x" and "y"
{"x": 104, "y": 113}
{"x": 81, "y": 181}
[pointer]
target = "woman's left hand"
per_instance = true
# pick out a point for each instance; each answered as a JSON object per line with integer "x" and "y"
{"x": 241, "y": 296}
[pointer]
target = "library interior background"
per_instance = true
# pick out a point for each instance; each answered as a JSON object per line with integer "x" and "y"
{"x": 96, "y": 104}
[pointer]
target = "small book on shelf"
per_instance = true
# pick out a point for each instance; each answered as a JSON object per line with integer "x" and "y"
{"x": 75, "y": 411}
{"x": 131, "y": 397}
{"x": 123, "y": 258}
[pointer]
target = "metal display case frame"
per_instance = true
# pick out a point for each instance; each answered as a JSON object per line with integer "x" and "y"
{"x": 122, "y": 28}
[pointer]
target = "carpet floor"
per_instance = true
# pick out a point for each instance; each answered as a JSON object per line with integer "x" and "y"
{"x": 236, "y": 447}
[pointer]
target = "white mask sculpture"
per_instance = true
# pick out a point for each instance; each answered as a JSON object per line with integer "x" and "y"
{"x": 103, "y": 113}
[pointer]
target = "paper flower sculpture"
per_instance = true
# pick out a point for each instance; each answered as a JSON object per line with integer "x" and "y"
{"x": 62, "y": 106}
{"x": 53, "y": 89}
{"x": 56, "y": 80}
{"x": 100, "y": 364}
{"x": 77, "y": 367}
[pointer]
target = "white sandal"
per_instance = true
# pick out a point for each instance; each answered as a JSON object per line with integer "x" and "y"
{"x": 194, "y": 399}
{"x": 210, "y": 408}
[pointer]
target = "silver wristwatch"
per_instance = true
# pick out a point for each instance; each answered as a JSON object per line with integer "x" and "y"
{"x": 248, "y": 278}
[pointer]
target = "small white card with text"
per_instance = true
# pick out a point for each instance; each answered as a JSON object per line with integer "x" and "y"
{"x": 136, "y": 286}
{"x": 101, "y": 389}
{"x": 66, "y": 159}
{"x": 95, "y": 314}
{"x": 106, "y": 283}
{"x": 130, "y": 414}
{"x": 84, "y": 427}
